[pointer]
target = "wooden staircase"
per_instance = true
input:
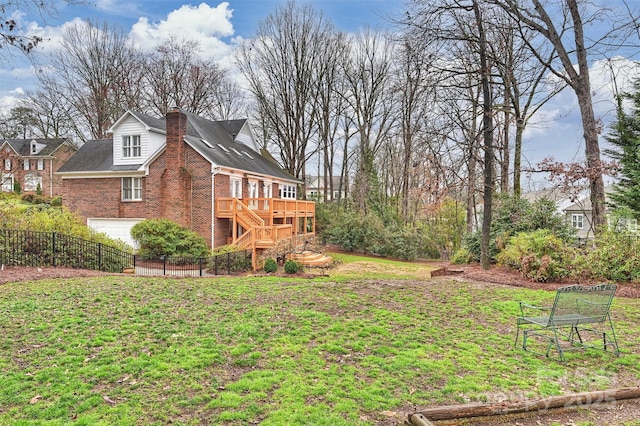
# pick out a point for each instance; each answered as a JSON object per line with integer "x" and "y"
{"x": 310, "y": 258}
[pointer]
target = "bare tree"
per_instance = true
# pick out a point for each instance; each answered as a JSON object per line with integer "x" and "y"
{"x": 562, "y": 24}
{"x": 281, "y": 66}
{"x": 368, "y": 72}
{"x": 11, "y": 34}
{"x": 94, "y": 74}
{"x": 176, "y": 75}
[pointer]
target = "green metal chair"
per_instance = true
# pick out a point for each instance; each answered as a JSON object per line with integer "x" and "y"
{"x": 578, "y": 315}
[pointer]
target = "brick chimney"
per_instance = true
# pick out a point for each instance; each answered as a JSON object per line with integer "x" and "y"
{"x": 176, "y": 122}
{"x": 176, "y": 180}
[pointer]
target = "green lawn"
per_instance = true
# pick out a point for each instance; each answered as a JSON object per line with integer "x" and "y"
{"x": 372, "y": 341}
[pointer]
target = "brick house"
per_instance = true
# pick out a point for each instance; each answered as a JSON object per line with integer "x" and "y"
{"x": 32, "y": 163}
{"x": 209, "y": 176}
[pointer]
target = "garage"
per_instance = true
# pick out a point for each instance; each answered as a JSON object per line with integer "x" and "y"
{"x": 116, "y": 228}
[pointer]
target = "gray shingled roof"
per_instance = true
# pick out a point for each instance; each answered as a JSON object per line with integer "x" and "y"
{"x": 214, "y": 139}
{"x": 23, "y": 146}
{"x": 93, "y": 156}
{"x": 152, "y": 122}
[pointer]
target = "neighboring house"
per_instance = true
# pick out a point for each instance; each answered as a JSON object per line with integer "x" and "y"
{"x": 315, "y": 188}
{"x": 576, "y": 209}
{"x": 209, "y": 176}
{"x": 32, "y": 163}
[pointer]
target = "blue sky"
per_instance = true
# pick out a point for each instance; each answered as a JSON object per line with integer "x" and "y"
{"x": 219, "y": 25}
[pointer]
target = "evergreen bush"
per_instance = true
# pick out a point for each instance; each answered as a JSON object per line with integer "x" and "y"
{"x": 291, "y": 266}
{"x": 538, "y": 255}
{"x": 162, "y": 237}
{"x": 270, "y": 265}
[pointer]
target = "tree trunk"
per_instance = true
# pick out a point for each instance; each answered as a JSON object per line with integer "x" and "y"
{"x": 487, "y": 124}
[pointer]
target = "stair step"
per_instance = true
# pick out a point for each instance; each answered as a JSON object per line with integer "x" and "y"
{"x": 311, "y": 258}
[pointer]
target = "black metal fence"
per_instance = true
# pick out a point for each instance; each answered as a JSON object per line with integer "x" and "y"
{"x": 42, "y": 249}
{"x": 32, "y": 248}
{"x": 221, "y": 264}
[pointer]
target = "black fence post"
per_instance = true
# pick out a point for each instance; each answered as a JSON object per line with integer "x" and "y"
{"x": 164, "y": 265}
{"x": 200, "y": 265}
{"x": 53, "y": 249}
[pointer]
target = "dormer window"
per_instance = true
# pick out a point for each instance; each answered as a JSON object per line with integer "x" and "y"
{"x": 131, "y": 146}
{"x": 34, "y": 147}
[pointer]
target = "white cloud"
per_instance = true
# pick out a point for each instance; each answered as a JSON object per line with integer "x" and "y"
{"x": 205, "y": 24}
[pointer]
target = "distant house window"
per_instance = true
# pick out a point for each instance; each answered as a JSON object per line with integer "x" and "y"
{"x": 26, "y": 164}
{"x": 34, "y": 148}
{"x": 336, "y": 195}
{"x": 7, "y": 183}
{"x": 236, "y": 188}
{"x": 577, "y": 221}
{"x": 288, "y": 192}
{"x": 7, "y": 163}
{"x": 40, "y": 163}
{"x": 131, "y": 189}
{"x": 131, "y": 146}
{"x": 31, "y": 182}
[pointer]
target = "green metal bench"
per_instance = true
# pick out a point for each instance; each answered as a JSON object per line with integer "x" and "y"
{"x": 578, "y": 318}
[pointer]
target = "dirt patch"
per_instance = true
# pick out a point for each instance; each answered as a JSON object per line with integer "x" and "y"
{"x": 500, "y": 275}
{"x": 17, "y": 274}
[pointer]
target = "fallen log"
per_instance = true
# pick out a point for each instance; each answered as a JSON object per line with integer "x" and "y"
{"x": 583, "y": 399}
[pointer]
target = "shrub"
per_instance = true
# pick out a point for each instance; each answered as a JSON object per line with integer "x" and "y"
{"x": 614, "y": 257}
{"x": 291, "y": 266}
{"x": 538, "y": 255}
{"x": 270, "y": 265}
{"x": 162, "y": 237}
{"x": 461, "y": 256}
{"x": 512, "y": 215}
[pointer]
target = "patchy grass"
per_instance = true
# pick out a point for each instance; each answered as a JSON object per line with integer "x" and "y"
{"x": 363, "y": 346}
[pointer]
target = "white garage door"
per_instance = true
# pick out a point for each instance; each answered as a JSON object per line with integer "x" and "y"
{"x": 114, "y": 228}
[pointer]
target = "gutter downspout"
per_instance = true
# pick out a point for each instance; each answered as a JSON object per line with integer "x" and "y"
{"x": 214, "y": 172}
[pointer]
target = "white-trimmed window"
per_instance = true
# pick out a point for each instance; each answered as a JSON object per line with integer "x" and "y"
{"x": 131, "y": 189}
{"x": 31, "y": 182}
{"x": 131, "y": 146}
{"x": 577, "y": 220}
{"x": 26, "y": 164}
{"x": 7, "y": 163}
{"x": 40, "y": 164}
{"x": 288, "y": 192}
{"x": 236, "y": 188}
{"x": 7, "y": 183}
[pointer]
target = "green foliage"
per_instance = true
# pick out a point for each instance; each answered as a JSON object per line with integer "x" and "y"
{"x": 291, "y": 266}
{"x": 16, "y": 187}
{"x": 270, "y": 265}
{"x": 625, "y": 138}
{"x": 513, "y": 215}
{"x": 32, "y": 198}
{"x": 162, "y": 237}
{"x": 538, "y": 255}
{"x": 39, "y": 189}
{"x": 461, "y": 256}
{"x": 615, "y": 256}
{"x": 228, "y": 257}
{"x": 357, "y": 233}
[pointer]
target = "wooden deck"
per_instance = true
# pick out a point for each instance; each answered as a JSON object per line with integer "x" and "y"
{"x": 265, "y": 221}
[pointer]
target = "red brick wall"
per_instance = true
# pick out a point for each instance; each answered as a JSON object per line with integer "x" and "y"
{"x": 100, "y": 198}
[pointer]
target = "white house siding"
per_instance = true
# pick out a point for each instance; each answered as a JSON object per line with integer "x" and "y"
{"x": 150, "y": 142}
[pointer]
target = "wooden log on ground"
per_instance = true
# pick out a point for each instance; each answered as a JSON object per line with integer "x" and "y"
{"x": 583, "y": 399}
